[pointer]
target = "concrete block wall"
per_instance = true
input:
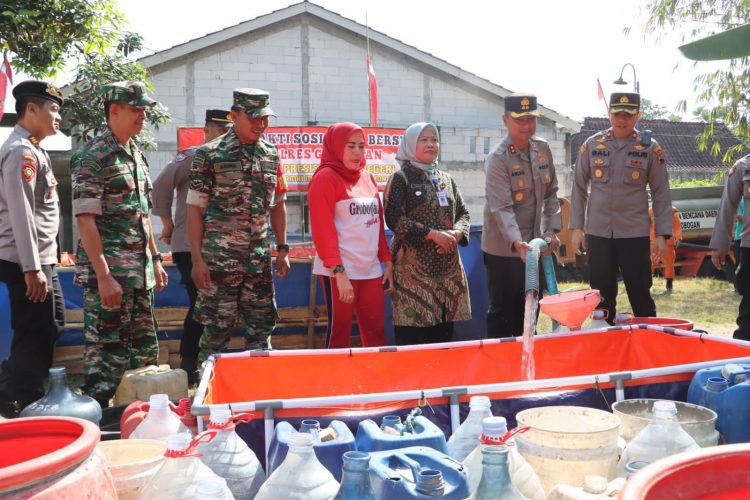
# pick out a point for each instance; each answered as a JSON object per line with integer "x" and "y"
{"x": 337, "y": 90}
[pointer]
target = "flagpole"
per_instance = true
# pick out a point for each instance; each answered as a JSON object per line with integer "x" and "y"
{"x": 369, "y": 63}
{"x": 603, "y": 97}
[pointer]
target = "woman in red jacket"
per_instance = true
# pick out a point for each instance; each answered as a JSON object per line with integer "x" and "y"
{"x": 346, "y": 219}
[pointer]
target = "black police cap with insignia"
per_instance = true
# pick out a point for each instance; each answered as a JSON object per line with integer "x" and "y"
{"x": 38, "y": 88}
{"x": 518, "y": 105}
{"x": 629, "y": 102}
{"x": 219, "y": 117}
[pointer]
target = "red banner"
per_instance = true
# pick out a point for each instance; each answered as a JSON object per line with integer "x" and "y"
{"x": 190, "y": 136}
{"x": 300, "y": 149}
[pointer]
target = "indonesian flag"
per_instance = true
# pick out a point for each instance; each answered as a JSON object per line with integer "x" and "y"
{"x": 6, "y": 76}
{"x": 373, "y": 93}
{"x": 599, "y": 90}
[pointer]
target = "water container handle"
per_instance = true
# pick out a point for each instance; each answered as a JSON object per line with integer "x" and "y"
{"x": 192, "y": 449}
{"x": 504, "y": 438}
{"x": 411, "y": 463}
{"x": 733, "y": 375}
{"x": 233, "y": 421}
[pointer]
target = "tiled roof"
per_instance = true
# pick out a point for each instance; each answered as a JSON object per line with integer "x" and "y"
{"x": 678, "y": 139}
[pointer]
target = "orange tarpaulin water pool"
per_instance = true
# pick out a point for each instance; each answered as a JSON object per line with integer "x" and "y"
{"x": 306, "y": 374}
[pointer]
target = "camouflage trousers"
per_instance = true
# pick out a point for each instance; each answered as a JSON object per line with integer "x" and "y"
{"x": 248, "y": 295}
{"x": 117, "y": 339}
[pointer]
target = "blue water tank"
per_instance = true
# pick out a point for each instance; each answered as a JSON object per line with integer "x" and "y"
{"x": 370, "y": 436}
{"x": 417, "y": 472}
{"x": 728, "y": 394}
{"x": 328, "y": 451}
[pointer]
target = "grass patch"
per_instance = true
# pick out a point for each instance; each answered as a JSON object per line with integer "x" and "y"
{"x": 709, "y": 303}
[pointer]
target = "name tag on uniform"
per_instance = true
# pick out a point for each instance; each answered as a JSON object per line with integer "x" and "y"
{"x": 442, "y": 198}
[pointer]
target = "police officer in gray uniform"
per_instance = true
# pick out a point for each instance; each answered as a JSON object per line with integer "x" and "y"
{"x": 521, "y": 204}
{"x": 176, "y": 177}
{"x": 29, "y": 219}
{"x": 619, "y": 164}
{"x": 736, "y": 188}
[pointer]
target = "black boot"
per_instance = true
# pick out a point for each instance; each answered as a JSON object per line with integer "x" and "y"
{"x": 9, "y": 409}
{"x": 669, "y": 284}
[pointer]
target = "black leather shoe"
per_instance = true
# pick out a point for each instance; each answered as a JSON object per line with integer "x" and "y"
{"x": 9, "y": 409}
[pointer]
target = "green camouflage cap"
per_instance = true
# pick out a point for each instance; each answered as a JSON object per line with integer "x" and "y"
{"x": 255, "y": 102}
{"x": 129, "y": 92}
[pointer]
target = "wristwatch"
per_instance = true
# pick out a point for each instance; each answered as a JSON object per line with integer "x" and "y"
{"x": 281, "y": 247}
{"x": 338, "y": 269}
{"x": 157, "y": 256}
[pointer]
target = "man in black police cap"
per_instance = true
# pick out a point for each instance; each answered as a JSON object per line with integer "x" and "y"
{"x": 29, "y": 220}
{"x": 521, "y": 204}
{"x": 175, "y": 176}
{"x": 618, "y": 164}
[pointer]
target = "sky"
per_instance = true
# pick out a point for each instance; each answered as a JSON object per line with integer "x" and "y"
{"x": 554, "y": 48}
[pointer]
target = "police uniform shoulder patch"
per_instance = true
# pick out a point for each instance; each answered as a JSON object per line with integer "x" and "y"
{"x": 29, "y": 167}
{"x": 732, "y": 169}
{"x": 582, "y": 149}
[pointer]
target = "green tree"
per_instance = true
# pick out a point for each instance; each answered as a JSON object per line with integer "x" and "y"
{"x": 652, "y": 111}
{"x": 43, "y": 34}
{"x": 723, "y": 91}
{"x": 83, "y": 113}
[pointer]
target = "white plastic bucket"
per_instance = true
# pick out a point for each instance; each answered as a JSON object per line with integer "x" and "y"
{"x": 132, "y": 463}
{"x": 566, "y": 443}
{"x": 698, "y": 421}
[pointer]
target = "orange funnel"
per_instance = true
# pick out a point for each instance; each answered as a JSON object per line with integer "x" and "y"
{"x": 570, "y": 308}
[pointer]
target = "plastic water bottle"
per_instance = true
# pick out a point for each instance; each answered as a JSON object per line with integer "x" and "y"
{"x": 466, "y": 437}
{"x": 229, "y": 457}
{"x": 662, "y": 437}
{"x": 61, "y": 401}
{"x": 211, "y": 489}
{"x": 355, "y": 481}
{"x": 181, "y": 472}
{"x": 160, "y": 421}
{"x": 599, "y": 319}
{"x": 495, "y": 432}
{"x": 300, "y": 475}
{"x": 496, "y": 481}
{"x": 623, "y": 319}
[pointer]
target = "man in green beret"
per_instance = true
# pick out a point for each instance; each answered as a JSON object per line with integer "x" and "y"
{"x": 117, "y": 262}
{"x": 175, "y": 177}
{"x": 618, "y": 164}
{"x": 236, "y": 185}
{"x": 521, "y": 205}
{"x": 29, "y": 220}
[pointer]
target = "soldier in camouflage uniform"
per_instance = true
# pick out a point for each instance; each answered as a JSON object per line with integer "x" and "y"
{"x": 117, "y": 261}
{"x": 235, "y": 184}
{"x": 175, "y": 177}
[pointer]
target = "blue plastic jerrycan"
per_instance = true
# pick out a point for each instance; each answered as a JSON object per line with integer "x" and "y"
{"x": 726, "y": 390}
{"x": 329, "y": 443}
{"x": 392, "y": 434}
{"x": 417, "y": 472}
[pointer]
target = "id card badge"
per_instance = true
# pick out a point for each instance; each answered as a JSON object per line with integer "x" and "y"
{"x": 442, "y": 198}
